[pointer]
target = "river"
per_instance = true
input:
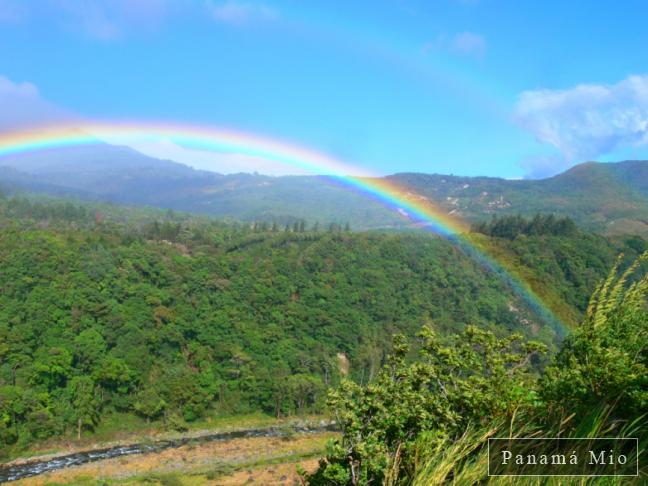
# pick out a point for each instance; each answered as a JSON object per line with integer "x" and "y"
{"x": 13, "y": 472}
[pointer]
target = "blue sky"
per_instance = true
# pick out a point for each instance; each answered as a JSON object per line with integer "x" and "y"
{"x": 470, "y": 87}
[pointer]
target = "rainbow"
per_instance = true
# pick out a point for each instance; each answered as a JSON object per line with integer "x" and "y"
{"x": 419, "y": 209}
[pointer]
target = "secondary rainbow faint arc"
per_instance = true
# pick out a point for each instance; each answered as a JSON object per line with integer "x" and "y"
{"x": 419, "y": 209}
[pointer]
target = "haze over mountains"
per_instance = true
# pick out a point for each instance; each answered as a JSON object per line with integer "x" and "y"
{"x": 607, "y": 198}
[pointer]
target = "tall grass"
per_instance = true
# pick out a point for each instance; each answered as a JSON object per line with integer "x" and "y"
{"x": 464, "y": 461}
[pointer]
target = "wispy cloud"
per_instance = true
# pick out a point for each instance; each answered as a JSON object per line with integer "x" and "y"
{"x": 462, "y": 43}
{"x": 541, "y": 166}
{"x": 98, "y": 19}
{"x": 469, "y": 43}
{"x": 236, "y": 12}
{"x": 24, "y": 108}
{"x": 586, "y": 121}
{"x": 9, "y": 88}
{"x": 110, "y": 19}
{"x": 93, "y": 19}
{"x": 11, "y": 11}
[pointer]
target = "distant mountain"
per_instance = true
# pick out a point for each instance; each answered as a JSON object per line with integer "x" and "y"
{"x": 607, "y": 198}
{"x": 603, "y": 197}
{"x": 123, "y": 175}
{"x": 103, "y": 170}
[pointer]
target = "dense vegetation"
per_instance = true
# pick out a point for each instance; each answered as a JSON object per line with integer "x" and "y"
{"x": 560, "y": 257}
{"x": 510, "y": 227}
{"x": 428, "y": 422}
{"x": 170, "y": 317}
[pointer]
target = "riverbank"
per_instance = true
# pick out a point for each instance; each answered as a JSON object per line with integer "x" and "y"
{"x": 110, "y": 435}
{"x": 152, "y": 446}
{"x": 262, "y": 460}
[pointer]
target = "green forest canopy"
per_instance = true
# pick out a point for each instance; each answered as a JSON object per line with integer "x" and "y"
{"x": 175, "y": 317}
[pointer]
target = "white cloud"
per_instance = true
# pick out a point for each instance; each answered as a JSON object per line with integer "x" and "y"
{"x": 586, "y": 121}
{"x": 236, "y": 12}
{"x": 110, "y": 19}
{"x": 93, "y": 20}
{"x": 469, "y": 43}
{"x": 10, "y": 89}
{"x": 463, "y": 43}
{"x": 99, "y": 19}
{"x": 23, "y": 106}
{"x": 24, "y": 109}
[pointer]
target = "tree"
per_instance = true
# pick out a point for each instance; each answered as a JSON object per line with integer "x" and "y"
{"x": 84, "y": 402}
{"x": 473, "y": 378}
{"x": 304, "y": 390}
{"x": 13, "y": 408}
{"x": 181, "y": 391}
{"x": 89, "y": 347}
{"x": 114, "y": 375}
{"x": 280, "y": 390}
{"x": 52, "y": 368}
{"x": 510, "y": 227}
{"x": 149, "y": 403}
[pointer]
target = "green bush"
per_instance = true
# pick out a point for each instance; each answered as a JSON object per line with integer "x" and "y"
{"x": 605, "y": 361}
{"x": 474, "y": 378}
{"x": 428, "y": 422}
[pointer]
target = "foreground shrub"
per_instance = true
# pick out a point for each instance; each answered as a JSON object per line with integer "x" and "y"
{"x": 428, "y": 422}
{"x": 475, "y": 378}
{"x": 605, "y": 361}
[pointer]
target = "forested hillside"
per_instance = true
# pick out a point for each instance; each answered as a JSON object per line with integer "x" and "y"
{"x": 608, "y": 198}
{"x": 173, "y": 318}
{"x": 556, "y": 255}
{"x": 122, "y": 175}
{"x": 430, "y": 420}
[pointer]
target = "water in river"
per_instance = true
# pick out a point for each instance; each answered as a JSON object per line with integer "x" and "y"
{"x": 27, "y": 469}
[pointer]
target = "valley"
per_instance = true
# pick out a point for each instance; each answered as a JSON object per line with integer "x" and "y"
{"x": 152, "y": 317}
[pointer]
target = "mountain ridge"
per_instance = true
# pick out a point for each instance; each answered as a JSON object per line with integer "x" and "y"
{"x": 603, "y": 197}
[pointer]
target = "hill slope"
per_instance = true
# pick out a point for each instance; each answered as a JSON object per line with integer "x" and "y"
{"x": 122, "y": 175}
{"x": 608, "y": 198}
{"x": 173, "y": 320}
